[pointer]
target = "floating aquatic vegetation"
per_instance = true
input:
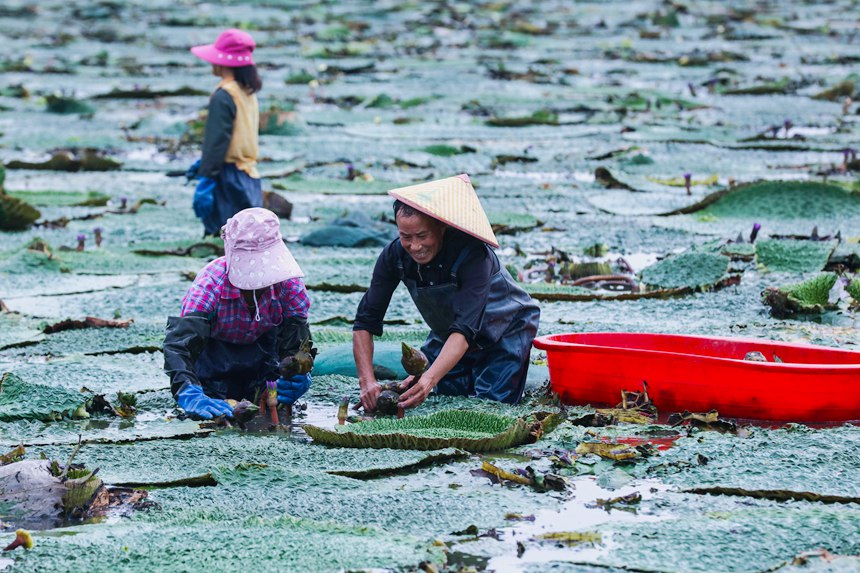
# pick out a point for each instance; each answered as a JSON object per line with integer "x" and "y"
{"x": 560, "y": 292}
{"x": 510, "y": 223}
{"x": 739, "y": 251}
{"x": 436, "y": 457}
{"x": 149, "y": 93}
{"x": 299, "y": 78}
{"x": 67, "y": 104}
{"x": 776, "y": 495}
{"x": 786, "y": 200}
{"x": 87, "y": 322}
{"x": 539, "y": 117}
{"x": 624, "y": 501}
{"x": 696, "y": 270}
{"x": 614, "y": 452}
{"x": 782, "y": 86}
{"x": 684, "y": 181}
{"x": 837, "y": 92}
{"x": 443, "y": 150}
{"x": 526, "y": 476}
{"x": 807, "y": 297}
{"x": 605, "y": 177}
{"x": 707, "y": 421}
{"x": 71, "y": 160}
{"x": 58, "y": 198}
{"x": 197, "y": 250}
{"x": 21, "y": 400}
{"x": 505, "y": 159}
{"x": 15, "y": 214}
{"x": 467, "y": 430}
{"x": 125, "y": 405}
{"x": 787, "y": 255}
{"x": 853, "y": 289}
{"x": 357, "y": 186}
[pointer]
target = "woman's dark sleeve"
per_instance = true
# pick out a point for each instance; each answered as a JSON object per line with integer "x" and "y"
{"x": 374, "y": 304}
{"x": 475, "y": 275}
{"x": 184, "y": 340}
{"x": 217, "y": 134}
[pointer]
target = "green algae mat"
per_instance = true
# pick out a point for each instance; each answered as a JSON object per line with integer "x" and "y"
{"x": 463, "y": 429}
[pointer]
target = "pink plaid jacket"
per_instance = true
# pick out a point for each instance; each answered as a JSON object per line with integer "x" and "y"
{"x": 232, "y": 320}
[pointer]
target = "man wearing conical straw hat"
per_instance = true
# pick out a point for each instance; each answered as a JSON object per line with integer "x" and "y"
{"x": 481, "y": 322}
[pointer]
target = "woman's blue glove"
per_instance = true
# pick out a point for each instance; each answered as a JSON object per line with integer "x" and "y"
{"x": 291, "y": 389}
{"x": 204, "y": 197}
{"x": 192, "y": 399}
{"x": 192, "y": 172}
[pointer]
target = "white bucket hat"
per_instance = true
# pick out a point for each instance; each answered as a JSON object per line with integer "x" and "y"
{"x": 255, "y": 251}
{"x": 453, "y": 201}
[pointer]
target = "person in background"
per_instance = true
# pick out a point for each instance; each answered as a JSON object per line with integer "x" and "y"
{"x": 481, "y": 322}
{"x": 244, "y": 313}
{"x": 228, "y": 181}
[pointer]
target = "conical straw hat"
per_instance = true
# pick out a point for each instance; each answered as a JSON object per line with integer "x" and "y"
{"x": 453, "y": 201}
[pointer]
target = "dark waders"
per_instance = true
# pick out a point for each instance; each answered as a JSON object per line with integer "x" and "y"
{"x": 230, "y": 370}
{"x": 496, "y": 368}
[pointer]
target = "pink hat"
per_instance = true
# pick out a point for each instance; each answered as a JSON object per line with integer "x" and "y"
{"x": 255, "y": 251}
{"x": 232, "y": 49}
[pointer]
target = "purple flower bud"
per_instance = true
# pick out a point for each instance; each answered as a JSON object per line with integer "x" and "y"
{"x": 687, "y": 176}
{"x": 97, "y": 230}
{"x": 754, "y": 232}
{"x": 81, "y": 237}
{"x": 687, "y": 182}
{"x": 787, "y": 125}
{"x": 123, "y": 201}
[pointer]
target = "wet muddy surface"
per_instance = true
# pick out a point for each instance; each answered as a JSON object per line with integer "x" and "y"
{"x": 659, "y": 133}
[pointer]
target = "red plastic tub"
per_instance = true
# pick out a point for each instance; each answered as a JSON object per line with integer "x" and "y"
{"x": 698, "y": 373}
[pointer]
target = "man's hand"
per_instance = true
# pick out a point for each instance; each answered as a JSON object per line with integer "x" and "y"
{"x": 419, "y": 391}
{"x": 369, "y": 393}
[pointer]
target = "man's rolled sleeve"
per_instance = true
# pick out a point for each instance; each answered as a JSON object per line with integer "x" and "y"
{"x": 374, "y": 304}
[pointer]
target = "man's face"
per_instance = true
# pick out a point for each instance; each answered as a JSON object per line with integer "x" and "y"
{"x": 420, "y": 236}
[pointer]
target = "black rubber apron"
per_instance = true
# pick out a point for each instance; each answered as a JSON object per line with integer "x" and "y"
{"x": 231, "y": 370}
{"x": 496, "y": 367}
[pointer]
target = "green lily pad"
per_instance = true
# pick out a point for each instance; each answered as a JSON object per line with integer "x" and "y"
{"x": 15, "y": 214}
{"x": 696, "y": 270}
{"x": 811, "y": 296}
{"x": 463, "y": 429}
{"x": 853, "y": 289}
{"x": 21, "y": 400}
{"x": 56, "y": 198}
{"x": 297, "y": 183}
{"x": 788, "y": 255}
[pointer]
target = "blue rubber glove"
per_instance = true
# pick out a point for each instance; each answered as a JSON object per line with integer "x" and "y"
{"x": 192, "y": 171}
{"x": 204, "y": 197}
{"x": 291, "y": 389}
{"x": 192, "y": 399}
